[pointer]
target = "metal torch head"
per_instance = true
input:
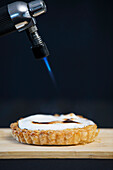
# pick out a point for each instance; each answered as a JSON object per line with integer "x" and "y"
{"x": 22, "y": 15}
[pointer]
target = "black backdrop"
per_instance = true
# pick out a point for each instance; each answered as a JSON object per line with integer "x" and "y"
{"x": 79, "y": 35}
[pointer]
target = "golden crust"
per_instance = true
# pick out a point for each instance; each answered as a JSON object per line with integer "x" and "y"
{"x": 55, "y": 137}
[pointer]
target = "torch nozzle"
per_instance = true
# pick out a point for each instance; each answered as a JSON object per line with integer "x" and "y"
{"x": 39, "y": 48}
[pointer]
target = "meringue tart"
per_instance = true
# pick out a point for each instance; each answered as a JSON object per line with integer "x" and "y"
{"x": 65, "y": 129}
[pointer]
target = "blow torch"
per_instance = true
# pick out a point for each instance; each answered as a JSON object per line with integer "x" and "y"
{"x": 20, "y": 16}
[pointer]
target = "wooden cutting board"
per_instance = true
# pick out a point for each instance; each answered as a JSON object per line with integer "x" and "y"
{"x": 102, "y": 148}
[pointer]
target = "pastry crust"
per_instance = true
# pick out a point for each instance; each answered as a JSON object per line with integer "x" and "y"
{"x": 55, "y": 137}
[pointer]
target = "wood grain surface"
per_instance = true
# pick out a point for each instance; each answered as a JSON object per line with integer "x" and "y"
{"x": 101, "y": 148}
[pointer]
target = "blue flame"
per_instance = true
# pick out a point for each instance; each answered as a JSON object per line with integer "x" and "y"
{"x": 49, "y": 69}
{"x": 47, "y": 64}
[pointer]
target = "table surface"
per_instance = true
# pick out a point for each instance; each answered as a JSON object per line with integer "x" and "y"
{"x": 101, "y": 148}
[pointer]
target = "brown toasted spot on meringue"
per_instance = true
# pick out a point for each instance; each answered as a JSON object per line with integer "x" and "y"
{"x": 53, "y": 122}
{"x": 57, "y": 115}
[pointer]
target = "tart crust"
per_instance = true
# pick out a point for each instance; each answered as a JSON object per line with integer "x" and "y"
{"x": 55, "y": 137}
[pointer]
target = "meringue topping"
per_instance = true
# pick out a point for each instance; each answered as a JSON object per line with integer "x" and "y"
{"x": 53, "y": 122}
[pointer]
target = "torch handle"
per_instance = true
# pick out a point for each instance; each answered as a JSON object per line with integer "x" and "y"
{"x": 6, "y": 24}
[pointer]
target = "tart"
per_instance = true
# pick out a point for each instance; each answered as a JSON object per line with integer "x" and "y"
{"x": 68, "y": 129}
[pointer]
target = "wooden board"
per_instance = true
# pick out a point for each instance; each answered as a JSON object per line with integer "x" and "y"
{"x": 102, "y": 148}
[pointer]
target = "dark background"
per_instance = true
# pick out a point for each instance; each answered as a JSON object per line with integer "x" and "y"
{"x": 79, "y": 35}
